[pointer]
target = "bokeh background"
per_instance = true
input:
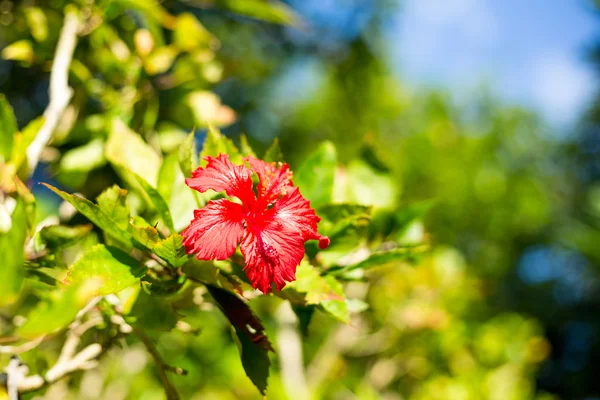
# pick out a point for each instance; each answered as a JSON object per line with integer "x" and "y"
{"x": 479, "y": 117}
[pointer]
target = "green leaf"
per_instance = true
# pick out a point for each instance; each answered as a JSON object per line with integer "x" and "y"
{"x": 186, "y": 154}
{"x": 60, "y": 236}
{"x": 366, "y": 186}
{"x": 254, "y": 344}
{"x": 113, "y": 201}
{"x": 341, "y": 220}
{"x": 59, "y": 310}
{"x": 189, "y": 34}
{"x": 153, "y": 313}
{"x": 128, "y": 149}
{"x": 171, "y": 250}
{"x": 38, "y": 23}
{"x": 180, "y": 198}
{"x": 273, "y": 153}
{"x": 316, "y": 175}
{"x": 216, "y": 143}
{"x": 95, "y": 214}
{"x": 157, "y": 201}
{"x": 115, "y": 269}
{"x": 380, "y": 258}
{"x": 8, "y": 128}
{"x": 84, "y": 158}
{"x": 12, "y": 250}
{"x": 23, "y": 140}
{"x": 245, "y": 147}
{"x": 21, "y": 50}
{"x": 271, "y": 11}
{"x": 324, "y": 291}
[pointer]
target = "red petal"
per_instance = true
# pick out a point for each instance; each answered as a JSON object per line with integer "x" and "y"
{"x": 294, "y": 212}
{"x": 273, "y": 181}
{"x": 272, "y": 253}
{"x": 215, "y": 231}
{"x": 220, "y": 175}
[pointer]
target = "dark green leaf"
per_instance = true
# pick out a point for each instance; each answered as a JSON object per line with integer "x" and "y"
{"x": 380, "y": 258}
{"x": 23, "y": 140}
{"x": 250, "y": 332}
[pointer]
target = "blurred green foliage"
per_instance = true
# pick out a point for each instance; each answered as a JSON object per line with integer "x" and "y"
{"x": 431, "y": 207}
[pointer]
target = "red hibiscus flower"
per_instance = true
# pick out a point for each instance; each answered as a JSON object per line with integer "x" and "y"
{"x": 272, "y": 224}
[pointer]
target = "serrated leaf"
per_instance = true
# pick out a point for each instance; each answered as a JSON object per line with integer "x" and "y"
{"x": 316, "y": 175}
{"x": 127, "y": 149}
{"x": 113, "y": 201}
{"x": 8, "y": 128}
{"x": 114, "y": 268}
{"x": 253, "y": 342}
{"x": 157, "y": 201}
{"x": 216, "y": 143}
{"x": 171, "y": 250}
{"x": 320, "y": 290}
{"x": 146, "y": 235}
{"x": 12, "y": 250}
{"x": 273, "y": 153}
{"x": 94, "y": 214}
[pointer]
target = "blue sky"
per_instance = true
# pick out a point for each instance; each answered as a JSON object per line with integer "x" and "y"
{"x": 529, "y": 52}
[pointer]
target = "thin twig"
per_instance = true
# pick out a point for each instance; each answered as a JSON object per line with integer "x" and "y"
{"x": 60, "y": 93}
{"x": 22, "y": 348}
{"x": 163, "y": 368}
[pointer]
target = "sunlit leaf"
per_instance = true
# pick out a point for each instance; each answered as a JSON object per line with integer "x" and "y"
{"x": 114, "y": 268}
{"x": 38, "y": 24}
{"x": 21, "y": 50}
{"x": 84, "y": 158}
{"x": 59, "y": 236}
{"x": 128, "y": 149}
{"x": 95, "y": 214}
{"x": 113, "y": 201}
{"x": 12, "y": 251}
{"x": 8, "y": 128}
{"x": 157, "y": 201}
{"x": 273, "y": 153}
{"x": 316, "y": 174}
{"x": 216, "y": 143}
{"x": 271, "y": 11}
{"x": 189, "y": 33}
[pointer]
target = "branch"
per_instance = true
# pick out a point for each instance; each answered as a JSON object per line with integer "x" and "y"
{"x": 68, "y": 361}
{"x": 163, "y": 368}
{"x": 60, "y": 93}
